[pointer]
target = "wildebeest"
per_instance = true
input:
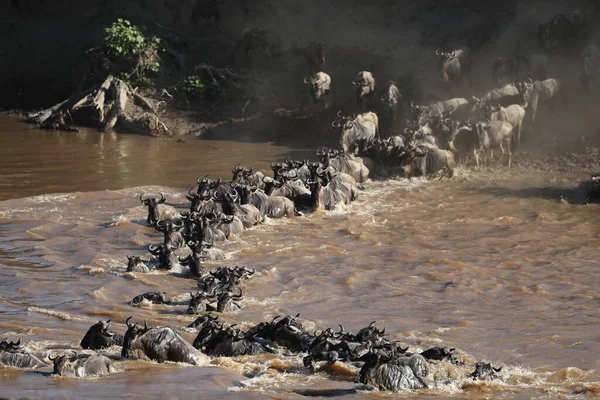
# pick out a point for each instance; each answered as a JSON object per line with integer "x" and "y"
{"x": 157, "y": 210}
{"x": 230, "y": 342}
{"x": 590, "y": 65}
{"x": 227, "y": 302}
{"x": 464, "y": 141}
{"x": 272, "y": 206}
{"x": 13, "y": 354}
{"x": 194, "y": 261}
{"x": 319, "y": 85}
{"x": 391, "y": 98}
{"x": 533, "y": 93}
{"x": 245, "y": 176}
{"x": 165, "y": 256}
{"x": 592, "y": 191}
{"x": 345, "y": 163}
{"x": 172, "y": 233}
{"x": 200, "y": 302}
{"x": 427, "y": 159}
{"x": 160, "y": 344}
{"x": 394, "y": 373}
{"x": 315, "y": 56}
{"x": 100, "y": 336}
{"x": 494, "y": 135}
{"x": 356, "y": 132}
{"x": 81, "y": 367}
{"x": 485, "y": 371}
{"x": 152, "y": 297}
{"x": 247, "y": 213}
{"x": 323, "y": 196}
{"x": 137, "y": 264}
{"x": 504, "y": 96}
{"x": 511, "y": 70}
{"x": 513, "y": 114}
{"x": 364, "y": 86}
{"x": 455, "y": 65}
{"x": 441, "y": 354}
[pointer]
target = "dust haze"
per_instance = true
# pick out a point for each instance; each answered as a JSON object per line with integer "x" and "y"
{"x": 395, "y": 40}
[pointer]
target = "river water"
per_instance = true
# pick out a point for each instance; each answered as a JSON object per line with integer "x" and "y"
{"x": 492, "y": 262}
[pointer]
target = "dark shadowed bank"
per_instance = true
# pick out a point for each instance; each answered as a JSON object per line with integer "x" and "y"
{"x": 47, "y": 54}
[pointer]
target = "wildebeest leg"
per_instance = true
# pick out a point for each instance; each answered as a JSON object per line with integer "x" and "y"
{"x": 476, "y": 155}
{"x": 509, "y": 151}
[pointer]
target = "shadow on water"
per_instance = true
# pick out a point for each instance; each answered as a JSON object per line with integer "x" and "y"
{"x": 326, "y": 392}
{"x": 572, "y": 195}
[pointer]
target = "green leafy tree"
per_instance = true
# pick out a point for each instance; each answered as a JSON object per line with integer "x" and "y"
{"x": 126, "y": 43}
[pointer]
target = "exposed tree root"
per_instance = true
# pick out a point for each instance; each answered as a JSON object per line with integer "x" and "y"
{"x": 109, "y": 105}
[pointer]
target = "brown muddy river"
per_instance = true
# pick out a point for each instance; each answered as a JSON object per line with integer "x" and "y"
{"x": 489, "y": 262}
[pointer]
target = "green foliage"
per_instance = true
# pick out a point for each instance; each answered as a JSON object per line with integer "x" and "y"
{"x": 193, "y": 85}
{"x": 125, "y": 77}
{"x": 125, "y": 40}
{"x": 126, "y": 43}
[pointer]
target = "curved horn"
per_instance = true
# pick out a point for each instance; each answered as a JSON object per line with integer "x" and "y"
{"x": 239, "y": 296}
{"x": 127, "y": 322}
{"x": 438, "y": 53}
{"x": 145, "y": 325}
{"x": 529, "y": 81}
{"x": 51, "y": 358}
{"x": 339, "y": 114}
{"x": 306, "y": 80}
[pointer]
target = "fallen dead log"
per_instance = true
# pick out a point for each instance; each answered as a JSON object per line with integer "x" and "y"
{"x": 110, "y": 105}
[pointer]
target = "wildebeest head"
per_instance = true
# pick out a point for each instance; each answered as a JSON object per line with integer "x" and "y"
{"x": 61, "y": 363}
{"x": 152, "y": 203}
{"x": 228, "y": 301}
{"x": 271, "y": 184}
{"x": 319, "y": 85}
{"x": 210, "y": 329}
{"x": 166, "y": 257}
{"x": 370, "y": 333}
{"x": 451, "y": 65}
{"x": 324, "y": 154}
{"x": 278, "y": 168}
{"x": 491, "y": 109}
{"x": 526, "y": 90}
{"x": 485, "y": 371}
{"x": 195, "y": 260}
{"x": 364, "y": 84}
{"x": 481, "y": 128}
{"x": 12, "y": 347}
{"x": 199, "y": 301}
{"x": 152, "y": 297}
{"x": 421, "y": 113}
{"x": 133, "y": 331}
{"x": 391, "y": 96}
{"x": 133, "y": 262}
{"x": 202, "y": 320}
{"x": 372, "y": 360}
{"x": 100, "y": 336}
